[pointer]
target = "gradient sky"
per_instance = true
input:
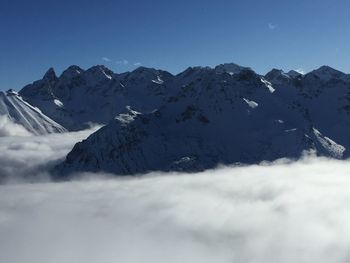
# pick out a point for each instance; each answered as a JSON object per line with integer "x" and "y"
{"x": 171, "y": 35}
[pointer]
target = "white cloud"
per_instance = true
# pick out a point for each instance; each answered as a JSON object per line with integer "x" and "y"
{"x": 106, "y": 59}
{"x": 137, "y": 64}
{"x": 28, "y": 157}
{"x": 9, "y": 128}
{"x": 276, "y": 213}
{"x": 272, "y": 26}
{"x": 279, "y": 212}
{"x": 122, "y": 62}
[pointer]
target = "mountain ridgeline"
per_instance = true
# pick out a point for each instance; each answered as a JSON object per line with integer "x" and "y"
{"x": 195, "y": 120}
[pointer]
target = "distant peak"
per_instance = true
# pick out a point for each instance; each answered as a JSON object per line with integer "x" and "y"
{"x": 230, "y": 68}
{"x": 277, "y": 74}
{"x": 327, "y": 69}
{"x": 144, "y": 69}
{"x": 11, "y": 92}
{"x": 150, "y": 72}
{"x": 72, "y": 71}
{"x": 327, "y": 73}
{"x": 293, "y": 73}
{"x": 99, "y": 68}
{"x": 99, "y": 71}
{"x": 198, "y": 68}
{"x": 50, "y": 74}
{"x": 275, "y": 71}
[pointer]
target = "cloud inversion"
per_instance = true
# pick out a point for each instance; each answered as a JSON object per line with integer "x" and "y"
{"x": 269, "y": 213}
{"x": 28, "y": 157}
{"x": 9, "y": 128}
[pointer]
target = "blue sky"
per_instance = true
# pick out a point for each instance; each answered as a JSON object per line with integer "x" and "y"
{"x": 172, "y": 35}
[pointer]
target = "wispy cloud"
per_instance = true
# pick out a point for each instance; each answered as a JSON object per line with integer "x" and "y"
{"x": 272, "y": 26}
{"x": 122, "y": 62}
{"x": 137, "y": 64}
{"x": 106, "y": 59}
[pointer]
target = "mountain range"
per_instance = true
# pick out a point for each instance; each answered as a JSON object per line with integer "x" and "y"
{"x": 195, "y": 120}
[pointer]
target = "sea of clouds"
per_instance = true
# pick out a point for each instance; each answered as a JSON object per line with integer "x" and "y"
{"x": 273, "y": 212}
{"x": 24, "y": 157}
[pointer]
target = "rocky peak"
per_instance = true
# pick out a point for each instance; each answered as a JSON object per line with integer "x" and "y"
{"x": 71, "y": 72}
{"x": 98, "y": 73}
{"x": 294, "y": 74}
{"x": 230, "y": 68}
{"x": 50, "y": 75}
{"x": 326, "y": 73}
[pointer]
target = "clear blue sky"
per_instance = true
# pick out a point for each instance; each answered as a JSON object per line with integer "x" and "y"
{"x": 172, "y": 35}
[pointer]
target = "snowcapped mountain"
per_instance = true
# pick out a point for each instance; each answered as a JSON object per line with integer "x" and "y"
{"x": 224, "y": 115}
{"x": 322, "y": 97}
{"x": 14, "y": 108}
{"x": 97, "y": 95}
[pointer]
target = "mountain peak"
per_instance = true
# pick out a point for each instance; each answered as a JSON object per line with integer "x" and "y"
{"x": 293, "y": 73}
{"x": 274, "y": 72}
{"x": 72, "y": 71}
{"x": 11, "y": 92}
{"x": 143, "y": 68}
{"x": 191, "y": 70}
{"x": 230, "y": 68}
{"x": 326, "y": 73}
{"x": 101, "y": 71}
{"x": 50, "y": 74}
{"x": 98, "y": 68}
{"x": 278, "y": 75}
{"x": 327, "y": 69}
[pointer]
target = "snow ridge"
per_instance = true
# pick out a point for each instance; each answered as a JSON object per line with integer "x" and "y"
{"x": 15, "y": 109}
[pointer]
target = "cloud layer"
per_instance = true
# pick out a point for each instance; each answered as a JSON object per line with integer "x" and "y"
{"x": 9, "y": 128}
{"x": 30, "y": 157}
{"x": 269, "y": 213}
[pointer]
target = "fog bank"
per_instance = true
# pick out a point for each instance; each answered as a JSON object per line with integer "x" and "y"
{"x": 269, "y": 213}
{"x": 27, "y": 157}
{"x": 276, "y": 213}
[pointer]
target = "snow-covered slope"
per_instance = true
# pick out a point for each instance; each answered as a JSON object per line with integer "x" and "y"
{"x": 322, "y": 97}
{"x": 217, "y": 118}
{"x": 15, "y": 109}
